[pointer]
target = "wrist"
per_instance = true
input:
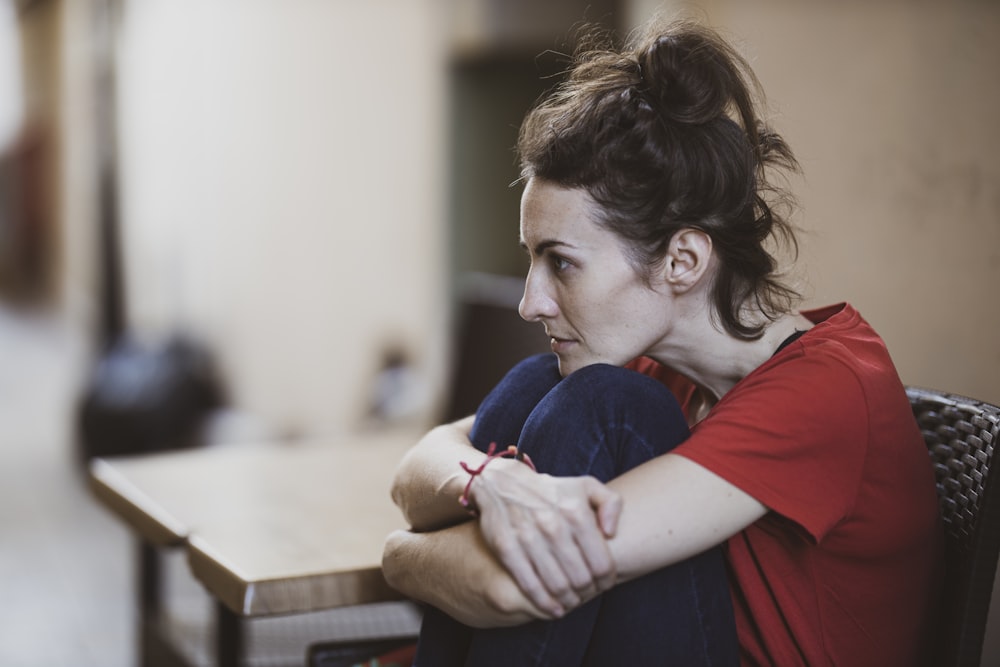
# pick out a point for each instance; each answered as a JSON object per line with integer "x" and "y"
{"x": 467, "y": 499}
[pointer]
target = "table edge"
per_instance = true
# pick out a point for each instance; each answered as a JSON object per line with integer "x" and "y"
{"x": 288, "y": 595}
{"x": 137, "y": 509}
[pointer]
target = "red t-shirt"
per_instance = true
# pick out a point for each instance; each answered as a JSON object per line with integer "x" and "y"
{"x": 841, "y": 571}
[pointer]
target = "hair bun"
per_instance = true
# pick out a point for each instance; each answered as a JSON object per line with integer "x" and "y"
{"x": 688, "y": 75}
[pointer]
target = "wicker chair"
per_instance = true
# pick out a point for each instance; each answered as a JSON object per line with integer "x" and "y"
{"x": 961, "y": 434}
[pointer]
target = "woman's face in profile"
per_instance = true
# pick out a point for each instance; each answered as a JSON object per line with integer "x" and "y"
{"x": 580, "y": 285}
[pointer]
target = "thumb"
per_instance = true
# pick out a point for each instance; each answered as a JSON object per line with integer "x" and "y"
{"x": 607, "y": 506}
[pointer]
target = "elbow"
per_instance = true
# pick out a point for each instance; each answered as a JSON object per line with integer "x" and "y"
{"x": 397, "y": 490}
{"x": 407, "y": 471}
{"x": 472, "y": 591}
{"x": 402, "y": 494}
{"x": 400, "y": 488}
{"x": 414, "y": 486}
{"x": 393, "y": 568}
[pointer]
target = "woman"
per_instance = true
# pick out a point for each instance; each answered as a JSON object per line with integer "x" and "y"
{"x": 774, "y": 506}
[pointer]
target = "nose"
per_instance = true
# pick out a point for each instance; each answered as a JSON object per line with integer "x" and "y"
{"x": 536, "y": 304}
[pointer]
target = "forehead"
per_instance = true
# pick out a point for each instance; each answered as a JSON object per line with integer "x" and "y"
{"x": 554, "y": 212}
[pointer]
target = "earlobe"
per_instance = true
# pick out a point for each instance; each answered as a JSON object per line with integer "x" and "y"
{"x": 688, "y": 258}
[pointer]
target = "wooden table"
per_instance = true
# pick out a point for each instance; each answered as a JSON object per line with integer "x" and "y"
{"x": 269, "y": 529}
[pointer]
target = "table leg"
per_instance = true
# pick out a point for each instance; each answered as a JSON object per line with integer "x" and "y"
{"x": 150, "y": 601}
{"x": 155, "y": 649}
{"x": 228, "y": 636}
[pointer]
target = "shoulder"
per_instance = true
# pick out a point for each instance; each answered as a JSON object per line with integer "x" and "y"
{"x": 844, "y": 347}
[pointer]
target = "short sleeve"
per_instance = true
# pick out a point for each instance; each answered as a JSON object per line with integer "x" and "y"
{"x": 794, "y": 436}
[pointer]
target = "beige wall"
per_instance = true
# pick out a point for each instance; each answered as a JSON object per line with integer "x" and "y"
{"x": 281, "y": 193}
{"x": 891, "y": 108}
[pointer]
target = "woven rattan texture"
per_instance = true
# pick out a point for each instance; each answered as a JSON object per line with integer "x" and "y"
{"x": 960, "y": 434}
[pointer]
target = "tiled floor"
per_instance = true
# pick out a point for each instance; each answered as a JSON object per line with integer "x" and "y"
{"x": 64, "y": 563}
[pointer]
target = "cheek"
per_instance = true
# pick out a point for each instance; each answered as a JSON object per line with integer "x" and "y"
{"x": 636, "y": 313}
{"x": 591, "y": 312}
{"x": 628, "y": 302}
{"x": 572, "y": 305}
{"x": 611, "y": 306}
{"x": 609, "y": 321}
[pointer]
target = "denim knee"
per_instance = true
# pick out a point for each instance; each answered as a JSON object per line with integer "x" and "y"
{"x": 537, "y": 364}
{"x": 612, "y": 387}
{"x": 503, "y": 412}
{"x": 602, "y": 420}
{"x": 597, "y": 379}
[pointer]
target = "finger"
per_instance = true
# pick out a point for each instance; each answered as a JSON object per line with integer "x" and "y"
{"x": 580, "y": 546}
{"x": 593, "y": 548}
{"x": 556, "y": 556}
{"x": 522, "y": 569}
{"x": 607, "y": 506}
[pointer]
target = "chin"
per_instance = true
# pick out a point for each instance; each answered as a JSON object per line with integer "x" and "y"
{"x": 567, "y": 366}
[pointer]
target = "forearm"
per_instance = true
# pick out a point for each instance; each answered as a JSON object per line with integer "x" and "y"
{"x": 704, "y": 511}
{"x": 453, "y": 570}
{"x": 429, "y": 481}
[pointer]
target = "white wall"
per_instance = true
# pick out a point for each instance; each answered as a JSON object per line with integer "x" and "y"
{"x": 281, "y": 188}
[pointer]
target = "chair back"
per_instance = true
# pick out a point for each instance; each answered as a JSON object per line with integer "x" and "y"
{"x": 490, "y": 339}
{"x": 961, "y": 434}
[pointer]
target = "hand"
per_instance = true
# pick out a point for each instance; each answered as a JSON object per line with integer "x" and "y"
{"x": 549, "y": 532}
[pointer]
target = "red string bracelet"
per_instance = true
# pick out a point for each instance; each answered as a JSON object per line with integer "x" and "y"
{"x": 491, "y": 454}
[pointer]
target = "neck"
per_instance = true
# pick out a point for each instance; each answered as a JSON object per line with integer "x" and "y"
{"x": 715, "y": 360}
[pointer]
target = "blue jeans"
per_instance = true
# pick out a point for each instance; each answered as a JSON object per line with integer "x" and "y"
{"x": 599, "y": 421}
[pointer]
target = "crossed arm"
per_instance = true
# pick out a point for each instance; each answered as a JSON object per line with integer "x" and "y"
{"x": 544, "y": 545}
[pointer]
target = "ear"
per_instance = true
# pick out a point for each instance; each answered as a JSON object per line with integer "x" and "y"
{"x": 689, "y": 255}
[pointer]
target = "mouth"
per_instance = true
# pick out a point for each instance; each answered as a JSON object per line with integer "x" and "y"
{"x": 560, "y": 344}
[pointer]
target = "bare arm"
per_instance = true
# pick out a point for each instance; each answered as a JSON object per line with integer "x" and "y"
{"x": 671, "y": 509}
{"x": 551, "y": 529}
{"x": 455, "y": 571}
{"x": 429, "y": 481}
{"x": 427, "y": 486}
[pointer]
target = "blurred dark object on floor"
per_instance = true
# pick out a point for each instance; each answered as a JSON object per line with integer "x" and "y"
{"x": 146, "y": 398}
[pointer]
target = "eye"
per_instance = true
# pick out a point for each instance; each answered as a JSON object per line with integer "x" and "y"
{"x": 559, "y": 263}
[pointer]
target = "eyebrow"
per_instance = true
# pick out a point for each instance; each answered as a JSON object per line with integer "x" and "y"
{"x": 541, "y": 247}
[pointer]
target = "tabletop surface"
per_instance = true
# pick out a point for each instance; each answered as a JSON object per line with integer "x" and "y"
{"x": 270, "y": 528}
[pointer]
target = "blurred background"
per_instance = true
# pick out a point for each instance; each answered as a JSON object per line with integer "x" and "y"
{"x": 288, "y": 199}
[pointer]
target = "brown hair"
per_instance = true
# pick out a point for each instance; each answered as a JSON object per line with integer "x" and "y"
{"x": 663, "y": 135}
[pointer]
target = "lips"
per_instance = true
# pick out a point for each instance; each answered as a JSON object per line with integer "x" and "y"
{"x": 560, "y": 344}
